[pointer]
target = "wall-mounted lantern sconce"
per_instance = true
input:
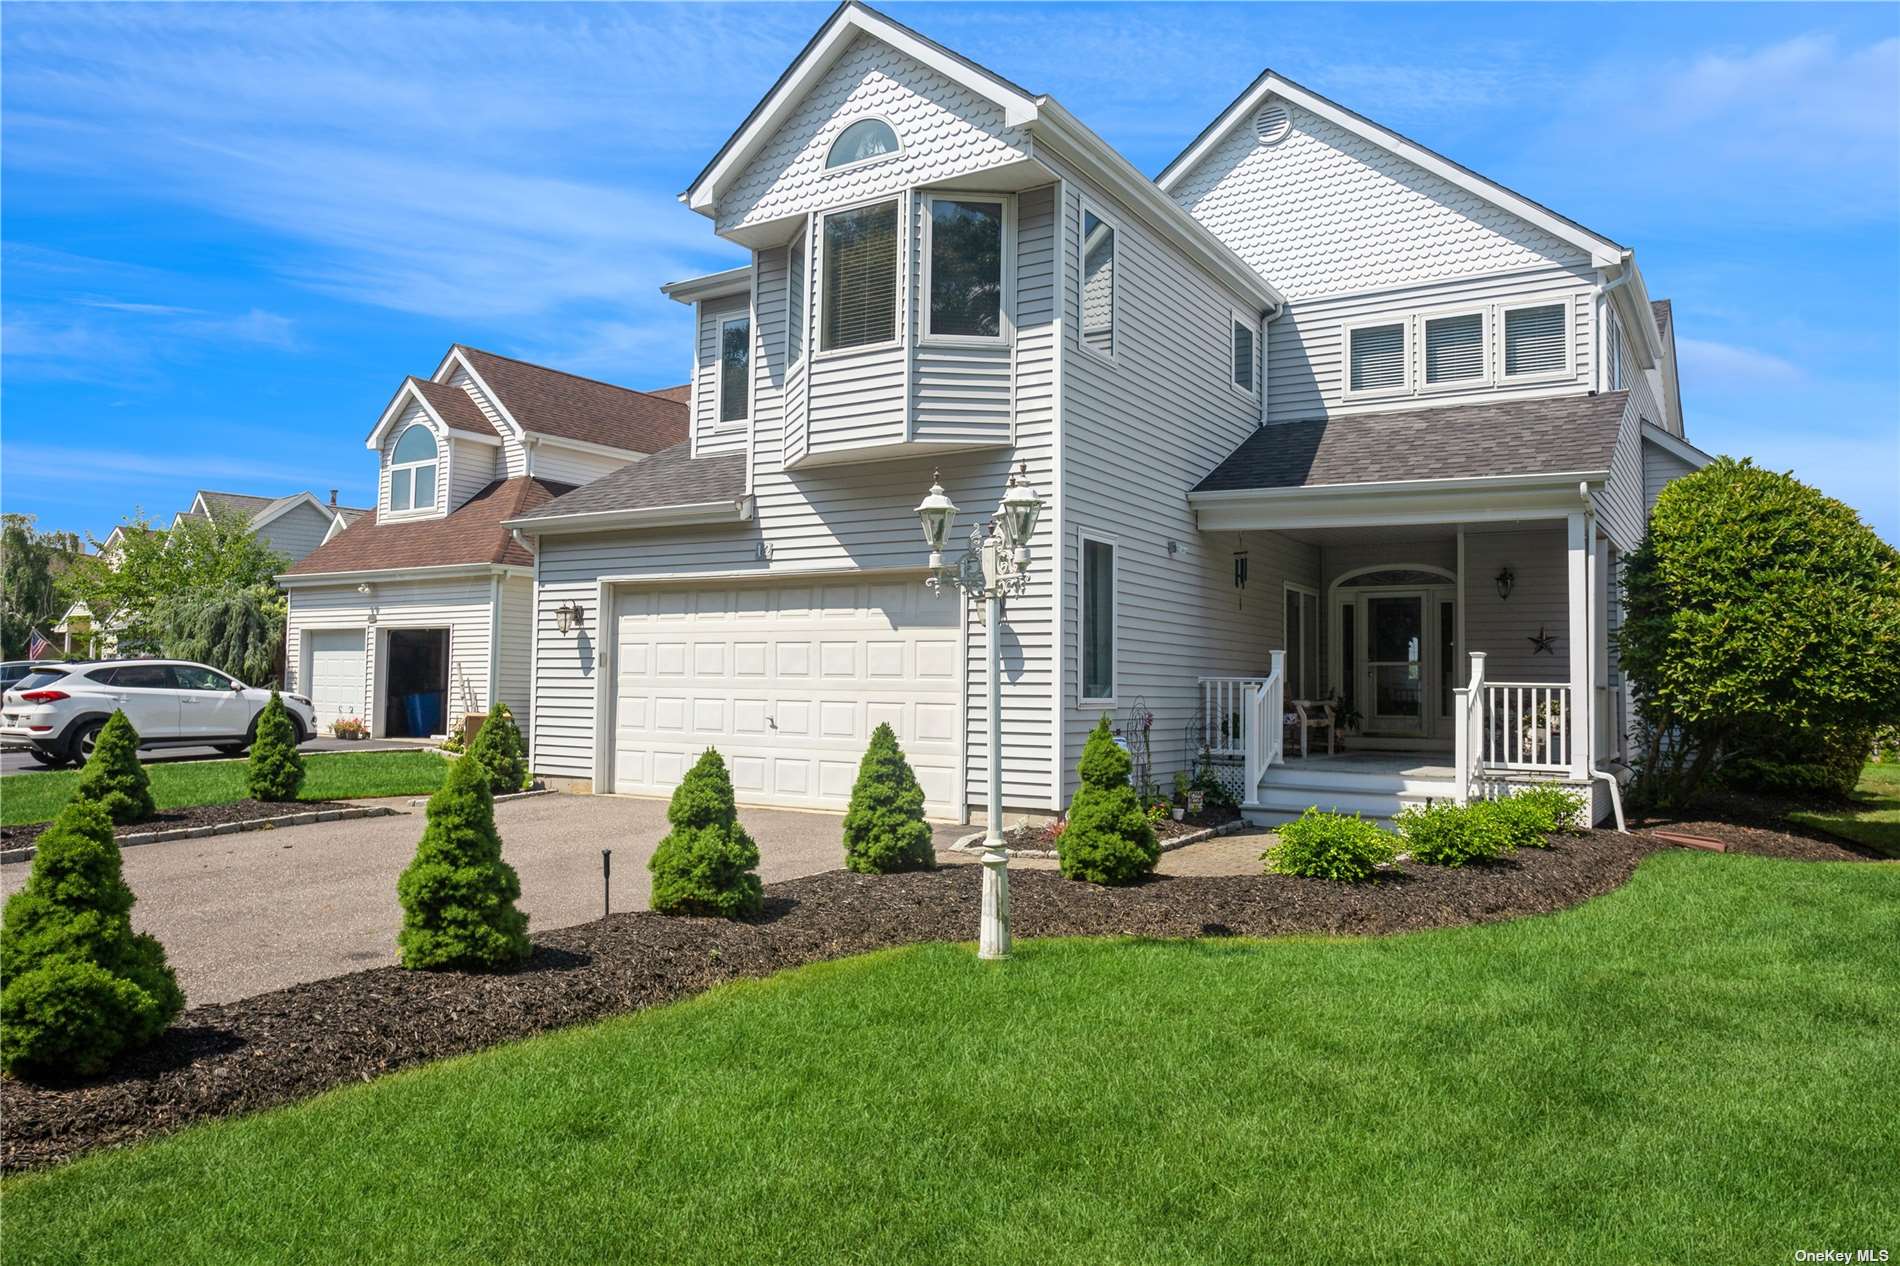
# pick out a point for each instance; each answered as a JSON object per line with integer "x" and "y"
{"x": 1506, "y": 581}
{"x": 567, "y": 617}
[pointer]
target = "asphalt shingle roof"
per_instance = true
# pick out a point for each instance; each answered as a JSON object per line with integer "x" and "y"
{"x": 471, "y": 533}
{"x": 455, "y": 407}
{"x": 1665, "y": 315}
{"x": 672, "y": 477}
{"x": 576, "y": 408}
{"x": 1511, "y": 437}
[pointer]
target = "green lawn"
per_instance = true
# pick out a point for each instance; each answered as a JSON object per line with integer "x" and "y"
{"x": 1878, "y": 824}
{"x": 1698, "y": 1067}
{"x": 329, "y": 776}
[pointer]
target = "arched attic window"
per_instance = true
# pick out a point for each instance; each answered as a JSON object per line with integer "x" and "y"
{"x": 412, "y": 470}
{"x": 861, "y": 142}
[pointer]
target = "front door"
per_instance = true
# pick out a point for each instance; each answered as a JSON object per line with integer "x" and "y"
{"x": 1395, "y": 677}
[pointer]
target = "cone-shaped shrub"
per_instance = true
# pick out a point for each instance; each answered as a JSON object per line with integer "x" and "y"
{"x": 884, "y": 830}
{"x": 81, "y": 986}
{"x": 1108, "y": 839}
{"x": 498, "y": 749}
{"x": 113, "y": 778}
{"x": 458, "y": 896}
{"x": 705, "y": 863}
{"x": 276, "y": 771}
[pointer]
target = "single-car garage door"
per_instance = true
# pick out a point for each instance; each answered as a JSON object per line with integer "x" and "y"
{"x": 787, "y": 681}
{"x": 336, "y": 673}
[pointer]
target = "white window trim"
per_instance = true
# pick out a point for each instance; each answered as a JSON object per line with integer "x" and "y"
{"x": 1346, "y": 390}
{"x": 1565, "y": 301}
{"x": 1006, "y": 328}
{"x": 720, "y": 323}
{"x": 439, "y": 461}
{"x": 860, "y": 164}
{"x": 1485, "y": 359}
{"x": 1239, "y": 318}
{"x": 1084, "y": 539}
{"x": 1309, "y": 594}
{"x": 801, "y": 242}
{"x": 1085, "y": 209}
{"x": 900, "y": 301}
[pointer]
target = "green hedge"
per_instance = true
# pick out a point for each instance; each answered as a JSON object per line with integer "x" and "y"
{"x": 1323, "y": 845}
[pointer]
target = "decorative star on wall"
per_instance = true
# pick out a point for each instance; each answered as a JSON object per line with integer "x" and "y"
{"x": 1543, "y": 643}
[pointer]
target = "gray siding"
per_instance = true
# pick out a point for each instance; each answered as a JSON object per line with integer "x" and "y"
{"x": 514, "y": 458}
{"x": 567, "y": 465}
{"x": 296, "y": 532}
{"x": 1659, "y": 469}
{"x": 1501, "y": 627}
{"x": 471, "y": 469}
{"x": 513, "y": 656}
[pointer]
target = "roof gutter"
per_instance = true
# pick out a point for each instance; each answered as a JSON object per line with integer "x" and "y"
{"x": 732, "y": 281}
{"x": 1475, "y": 483}
{"x": 291, "y": 580}
{"x": 729, "y": 510}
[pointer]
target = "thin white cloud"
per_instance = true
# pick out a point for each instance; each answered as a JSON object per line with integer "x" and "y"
{"x": 1709, "y": 365}
{"x": 29, "y": 460}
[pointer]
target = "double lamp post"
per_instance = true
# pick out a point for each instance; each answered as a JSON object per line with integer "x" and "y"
{"x": 995, "y": 564}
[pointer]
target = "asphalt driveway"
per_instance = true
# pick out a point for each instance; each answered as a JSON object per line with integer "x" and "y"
{"x": 244, "y": 914}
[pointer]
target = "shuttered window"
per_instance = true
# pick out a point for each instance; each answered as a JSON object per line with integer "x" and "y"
{"x": 860, "y": 277}
{"x": 1243, "y": 355}
{"x": 735, "y": 354}
{"x": 1098, "y": 283}
{"x": 1378, "y": 357}
{"x": 1535, "y": 340}
{"x": 1098, "y": 620}
{"x": 795, "y": 302}
{"x": 966, "y": 268}
{"x": 1454, "y": 348}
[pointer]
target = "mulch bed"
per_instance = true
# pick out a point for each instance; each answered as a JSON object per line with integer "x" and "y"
{"x": 180, "y": 819}
{"x": 1041, "y": 835}
{"x": 276, "y": 1048}
{"x": 1757, "y": 824}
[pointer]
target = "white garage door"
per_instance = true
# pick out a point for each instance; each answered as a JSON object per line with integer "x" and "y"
{"x": 336, "y": 673}
{"x": 787, "y": 681}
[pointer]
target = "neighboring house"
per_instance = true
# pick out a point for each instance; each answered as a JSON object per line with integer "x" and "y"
{"x": 1318, "y": 415}
{"x": 293, "y": 525}
{"x": 420, "y": 610}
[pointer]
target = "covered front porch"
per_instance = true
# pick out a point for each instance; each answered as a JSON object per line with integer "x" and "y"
{"x": 1450, "y": 647}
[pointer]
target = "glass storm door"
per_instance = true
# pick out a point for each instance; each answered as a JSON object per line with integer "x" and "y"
{"x": 1395, "y": 678}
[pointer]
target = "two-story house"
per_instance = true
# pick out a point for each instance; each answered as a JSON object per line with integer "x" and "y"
{"x": 421, "y": 610}
{"x": 292, "y": 526}
{"x": 1318, "y": 417}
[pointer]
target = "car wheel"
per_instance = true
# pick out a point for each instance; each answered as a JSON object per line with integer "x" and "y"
{"x": 85, "y": 740}
{"x": 233, "y": 749}
{"x": 298, "y": 733}
{"x": 52, "y": 760}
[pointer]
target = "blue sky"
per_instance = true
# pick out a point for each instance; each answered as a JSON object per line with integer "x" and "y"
{"x": 229, "y": 230}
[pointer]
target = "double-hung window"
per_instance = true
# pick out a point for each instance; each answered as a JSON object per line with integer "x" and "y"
{"x": 1375, "y": 358}
{"x": 412, "y": 469}
{"x": 1242, "y": 366}
{"x": 1098, "y": 283}
{"x": 859, "y": 292}
{"x": 966, "y": 267}
{"x": 1454, "y": 349}
{"x": 1537, "y": 341}
{"x": 1098, "y": 621}
{"x": 735, "y": 359}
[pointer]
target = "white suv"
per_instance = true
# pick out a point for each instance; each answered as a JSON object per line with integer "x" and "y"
{"x": 56, "y": 711}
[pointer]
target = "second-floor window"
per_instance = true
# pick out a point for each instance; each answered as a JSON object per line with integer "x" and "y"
{"x": 1377, "y": 358}
{"x": 1536, "y": 341}
{"x": 1243, "y": 370}
{"x": 412, "y": 470}
{"x": 859, "y": 292}
{"x": 966, "y": 267}
{"x": 735, "y": 354}
{"x": 1098, "y": 283}
{"x": 1454, "y": 348}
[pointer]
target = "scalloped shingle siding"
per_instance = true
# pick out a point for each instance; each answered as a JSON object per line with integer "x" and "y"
{"x": 943, "y": 129}
{"x": 1326, "y": 212}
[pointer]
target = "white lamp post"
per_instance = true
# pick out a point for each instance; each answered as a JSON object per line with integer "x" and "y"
{"x": 995, "y": 564}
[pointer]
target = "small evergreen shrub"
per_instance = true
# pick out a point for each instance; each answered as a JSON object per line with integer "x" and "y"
{"x": 81, "y": 986}
{"x": 499, "y": 750}
{"x": 705, "y": 865}
{"x": 113, "y": 778}
{"x": 1557, "y": 808}
{"x": 1108, "y": 839}
{"x": 458, "y": 895}
{"x": 1447, "y": 834}
{"x": 276, "y": 769}
{"x": 1322, "y": 845}
{"x": 884, "y": 830}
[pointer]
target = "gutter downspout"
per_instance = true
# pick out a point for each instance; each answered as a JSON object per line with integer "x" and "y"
{"x": 1590, "y": 653}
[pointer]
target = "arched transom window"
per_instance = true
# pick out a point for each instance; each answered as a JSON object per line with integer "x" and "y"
{"x": 412, "y": 470}
{"x": 862, "y": 141}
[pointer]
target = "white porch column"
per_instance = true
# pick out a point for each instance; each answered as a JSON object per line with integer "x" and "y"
{"x": 1579, "y": 724}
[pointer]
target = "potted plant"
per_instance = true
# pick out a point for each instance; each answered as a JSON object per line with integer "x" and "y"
{"x": 349, "y": 728}
{"x": 1182, "y": 794}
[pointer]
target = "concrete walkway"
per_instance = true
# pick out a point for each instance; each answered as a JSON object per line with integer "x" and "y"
{"x": 243, "y": 914}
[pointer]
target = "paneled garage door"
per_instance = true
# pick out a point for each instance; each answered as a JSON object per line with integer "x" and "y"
{"x": 336, "y": 673}
{"x": 787, "y": 681}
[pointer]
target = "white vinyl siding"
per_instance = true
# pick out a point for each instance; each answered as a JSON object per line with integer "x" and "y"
{"x": 514, "y": 658}
{"x": 513, "y": 461}
{"x": 1454, "y": 348}
{"x": 471, "y": 469}
{"x": 1377, "y": 358}
{"x": 1097, "y": 254}
{"x": 1537, "y": 341}
{"x": 566, "y": 464}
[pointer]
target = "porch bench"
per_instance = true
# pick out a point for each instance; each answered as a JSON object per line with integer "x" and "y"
{"x": 1305, "y": 715}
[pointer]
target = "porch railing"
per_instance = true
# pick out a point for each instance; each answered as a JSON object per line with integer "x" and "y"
{"x": 1244, "y": 718}
{"x": 1511, "y": 726}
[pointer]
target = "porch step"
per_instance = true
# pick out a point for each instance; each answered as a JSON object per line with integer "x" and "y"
{"x": 1285, "y": 793}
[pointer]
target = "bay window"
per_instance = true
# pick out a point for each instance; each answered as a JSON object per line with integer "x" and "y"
{"x": 965, "y": 262}
{"x": 859, "y": 288}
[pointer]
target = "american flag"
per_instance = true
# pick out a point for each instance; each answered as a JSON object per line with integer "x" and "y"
{"x": 38, "y": 646}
